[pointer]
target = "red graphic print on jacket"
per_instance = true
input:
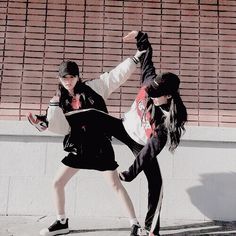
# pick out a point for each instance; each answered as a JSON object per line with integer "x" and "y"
{"x": 145, "y": 116}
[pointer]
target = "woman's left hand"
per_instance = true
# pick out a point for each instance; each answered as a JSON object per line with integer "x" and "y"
{"x": 130, "y": 36}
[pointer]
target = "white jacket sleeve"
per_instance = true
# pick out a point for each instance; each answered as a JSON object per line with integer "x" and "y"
{"x": 57, "y": 122}
{"x": 109, "y": 82}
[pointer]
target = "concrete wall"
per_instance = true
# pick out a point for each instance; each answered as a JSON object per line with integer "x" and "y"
{"x": 199, "y": 180}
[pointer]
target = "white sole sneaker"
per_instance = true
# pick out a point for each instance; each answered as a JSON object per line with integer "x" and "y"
{"x": 45, "y": 232}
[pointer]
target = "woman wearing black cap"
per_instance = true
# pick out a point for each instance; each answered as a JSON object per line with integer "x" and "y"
{"x": 88, "y": 146}
{"x": 157, "y": 115}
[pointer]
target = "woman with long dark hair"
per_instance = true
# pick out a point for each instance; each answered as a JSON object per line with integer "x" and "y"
{"x": 88, "y": 146}
{"x": 156, "y": 118}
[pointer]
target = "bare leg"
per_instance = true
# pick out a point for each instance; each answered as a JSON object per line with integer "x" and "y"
{"x": 64, "y": 174}
{"x": 113, "y": 180}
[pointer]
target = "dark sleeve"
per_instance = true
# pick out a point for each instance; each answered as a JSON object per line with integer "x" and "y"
{"x": 152, "y": 148}
{"x": 147, "y": 68}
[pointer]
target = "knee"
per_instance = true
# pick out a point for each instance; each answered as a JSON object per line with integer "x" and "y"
{"x": 58, "y": 184}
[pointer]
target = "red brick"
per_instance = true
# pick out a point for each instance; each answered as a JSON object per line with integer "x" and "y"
{"x": 208, "y": 95}
{"x": 208, "y": 105}
{"x": 36, "y": 24}
{"x": 229, "y": 8}
{"x": 194, "y": 42}
{"x": 14, "y": 43}
{"x": 55, "y": 37}
{"x": 227, "y": 68}
{"x": 9, "y": 112}
{"x": 36, "y": 18}
{"x": 37, "y": 5}
{"x": 32, "y": 75}
{"x": 189, "y": 92}
{"x": 37, "y": 36}
{"x": 31, "y": 11}
{"x": 35, "y": 42}
{"x": 13, "y": 60}
{"x": 50, "y": 79}
{"x": 15, "y": 29}
{"x": 227, "y": 56}
{"x": 54, "y": 43}
{"x": 227, "y": 106}
{"x": 204, "y": 48}
{"x": 32, "y": 99}
{"x": 208, "y": 3}
{"x": 52, "y": 61}
{"x": 227, "y": 112}
{"x": 55, "y": 24}
{"x": 14, "y": 53}
{"x": 16, "y": 23}
{"x": 9, "y": 105}
{"x": 225, "y": 14}
{"x": 94, "y": 8}
{"x": 73, "y": 56}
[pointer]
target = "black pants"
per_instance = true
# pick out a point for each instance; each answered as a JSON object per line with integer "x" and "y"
{"x": 114, "y": 127}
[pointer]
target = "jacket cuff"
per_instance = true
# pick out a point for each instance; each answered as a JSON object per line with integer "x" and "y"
{"x": 135, "y": 59}
{"x": 54, "y": 104}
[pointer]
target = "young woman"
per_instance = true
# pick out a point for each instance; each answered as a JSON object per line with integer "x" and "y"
{"x": 157, "y": 115}
{"x": 93, "y": 149}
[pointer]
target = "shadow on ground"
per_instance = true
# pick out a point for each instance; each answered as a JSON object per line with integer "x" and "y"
{"x": 208, "y": 228}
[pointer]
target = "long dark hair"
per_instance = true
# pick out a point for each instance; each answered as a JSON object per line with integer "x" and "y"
{"x": 65, "y": 97}
{"x": 175, "y": 120}
{"x": 168, "y": 83}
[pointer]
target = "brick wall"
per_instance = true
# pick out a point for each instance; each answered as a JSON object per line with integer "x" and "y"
{"x": 195, "y": 39}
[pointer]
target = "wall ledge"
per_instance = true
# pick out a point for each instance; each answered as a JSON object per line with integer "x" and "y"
{"x": 193, "y": 133}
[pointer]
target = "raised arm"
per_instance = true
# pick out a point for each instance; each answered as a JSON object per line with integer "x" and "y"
{"x": 110, "y": 81}
{"x": 147, "y": 68}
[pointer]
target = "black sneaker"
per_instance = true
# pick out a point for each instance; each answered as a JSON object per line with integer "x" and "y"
{"x": 135, "y": 230}
{"x": 56, "y": 228}
{"x": 125, "y": 176}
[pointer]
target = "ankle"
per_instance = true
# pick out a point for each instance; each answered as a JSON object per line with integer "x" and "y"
{"x": 62, "y": 218}
{"x": 133, "y": 221}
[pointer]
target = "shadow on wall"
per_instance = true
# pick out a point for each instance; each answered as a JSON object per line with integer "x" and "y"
{"x": 216, "y": 196}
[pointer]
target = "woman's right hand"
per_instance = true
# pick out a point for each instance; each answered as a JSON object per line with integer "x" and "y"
{"x": 130, "y": 36}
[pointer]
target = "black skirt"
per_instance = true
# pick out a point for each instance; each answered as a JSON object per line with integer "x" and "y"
{"x": 89, "y": 150}
{"x": 88, "y": 145}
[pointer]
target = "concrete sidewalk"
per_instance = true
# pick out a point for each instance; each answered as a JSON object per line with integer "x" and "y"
{"x": 31, "y": 225}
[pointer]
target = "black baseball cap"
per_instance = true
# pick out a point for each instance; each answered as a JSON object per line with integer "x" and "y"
{"x": 166, "y": 83}
{"x": 68, "y": 68}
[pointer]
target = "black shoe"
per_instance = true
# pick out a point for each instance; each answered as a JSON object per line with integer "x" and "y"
{"x": 135, "y": 230}
{"x": 56, "y": 228}
{"x": 125, "y": 176}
